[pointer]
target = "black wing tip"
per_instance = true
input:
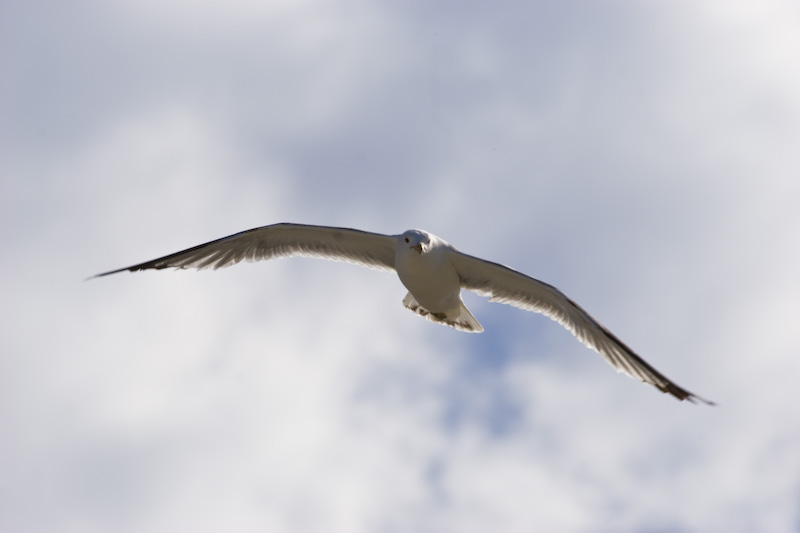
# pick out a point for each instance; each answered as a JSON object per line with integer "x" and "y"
{"x": 102, "y": 274}
{"x": 682, "y": 394}
{"x": 695, "y": 399}
{"x": 135, "y": 268}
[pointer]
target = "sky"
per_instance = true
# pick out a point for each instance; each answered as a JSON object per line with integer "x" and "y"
{"x": 640, "y": 156}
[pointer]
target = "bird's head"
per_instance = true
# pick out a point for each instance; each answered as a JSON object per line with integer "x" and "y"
{"x": 416, "y": 240}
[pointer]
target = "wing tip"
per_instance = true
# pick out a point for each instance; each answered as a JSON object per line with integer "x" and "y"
{"x": 695, "y": 399}
{"x": 102, "y": 274}
{"x": 684, "y": 395}
{"x": 151, "y": 265}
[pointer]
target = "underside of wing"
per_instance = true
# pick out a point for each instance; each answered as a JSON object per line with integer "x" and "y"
{"x": 373, "y": 250}
{"x": 505, "y": 285}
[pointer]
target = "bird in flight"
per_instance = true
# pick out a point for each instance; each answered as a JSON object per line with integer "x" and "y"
{"x": 433, "y": 271}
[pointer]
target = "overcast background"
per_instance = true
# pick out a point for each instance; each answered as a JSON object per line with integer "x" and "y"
{"x": 641, "y": 156}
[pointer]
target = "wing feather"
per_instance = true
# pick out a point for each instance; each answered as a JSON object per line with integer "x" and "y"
{"x": 372, "y": 250}
{"x": 505, "y": 285}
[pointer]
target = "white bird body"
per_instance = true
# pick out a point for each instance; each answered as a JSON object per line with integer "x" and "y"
{"x": 422, "y": 261}
{"x": 428, "y": 276}
{"x": 434, "y": 273}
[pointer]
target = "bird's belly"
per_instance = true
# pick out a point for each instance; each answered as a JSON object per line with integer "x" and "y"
{"x": 437, "y": 288}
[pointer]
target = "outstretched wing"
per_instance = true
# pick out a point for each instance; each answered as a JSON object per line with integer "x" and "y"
{"x": 372, "y": 250}
{"x": 505, "y": 285}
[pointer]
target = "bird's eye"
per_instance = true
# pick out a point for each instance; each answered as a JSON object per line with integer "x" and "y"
{"x": 407, "y": 239}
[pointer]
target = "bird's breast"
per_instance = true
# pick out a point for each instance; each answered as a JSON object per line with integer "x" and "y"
{"x": 432, "y": 280}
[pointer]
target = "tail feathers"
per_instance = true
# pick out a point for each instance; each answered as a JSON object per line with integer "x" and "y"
{"x": 460, "y": 319}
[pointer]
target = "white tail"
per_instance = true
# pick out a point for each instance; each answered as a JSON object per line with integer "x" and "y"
{"x": 460, "y": 319}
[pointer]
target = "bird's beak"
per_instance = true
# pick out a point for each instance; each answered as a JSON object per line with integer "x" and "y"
{"x": 418, "y": 248}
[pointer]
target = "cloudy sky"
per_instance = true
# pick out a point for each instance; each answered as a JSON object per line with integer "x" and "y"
{"x": 642, "y": 157}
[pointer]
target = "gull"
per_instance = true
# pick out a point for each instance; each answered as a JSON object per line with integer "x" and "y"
{"x": 433, "y": 271}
